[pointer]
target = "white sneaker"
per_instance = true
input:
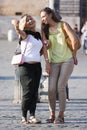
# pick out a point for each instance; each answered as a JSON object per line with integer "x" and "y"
{"x": 24, "y": 121}
{"x": 33, "y": 120}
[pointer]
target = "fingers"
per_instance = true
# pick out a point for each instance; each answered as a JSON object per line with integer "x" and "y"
{"x": 15, "y": 21}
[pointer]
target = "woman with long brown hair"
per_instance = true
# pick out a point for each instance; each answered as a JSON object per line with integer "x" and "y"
{"x": 61, "y": 59}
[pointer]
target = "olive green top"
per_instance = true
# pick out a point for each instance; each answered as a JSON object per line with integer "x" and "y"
{"x": 59, "y": 50}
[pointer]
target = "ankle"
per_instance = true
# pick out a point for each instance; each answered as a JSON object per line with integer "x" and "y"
{"x": 53, "y": 114}
{"x": 61, "y": 114}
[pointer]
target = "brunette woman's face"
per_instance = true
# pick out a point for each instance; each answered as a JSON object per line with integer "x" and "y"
{"x": 45, "y": 18}
{"x": 27, "y": 22}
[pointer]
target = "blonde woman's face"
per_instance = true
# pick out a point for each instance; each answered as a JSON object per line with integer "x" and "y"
{"x": 27, "y": 22}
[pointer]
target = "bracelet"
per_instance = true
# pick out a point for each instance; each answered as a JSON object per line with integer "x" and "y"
{"x": 17, "y": 29}
{"x": 46, "y": 59}
{"x": 45, "y": 42}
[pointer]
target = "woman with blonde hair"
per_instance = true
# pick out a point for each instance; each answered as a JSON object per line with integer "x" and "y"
{"x": 30, "y": 70}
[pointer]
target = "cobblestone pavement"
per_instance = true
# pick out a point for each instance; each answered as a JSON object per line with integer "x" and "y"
{"x": 10, "y": 113}
{"x": 75, "y": 116}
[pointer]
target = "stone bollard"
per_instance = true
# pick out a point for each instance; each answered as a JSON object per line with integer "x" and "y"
{"x": 12, "y": 35}
{"x": 43, "y": 88}
{"x": 17, "y": 87}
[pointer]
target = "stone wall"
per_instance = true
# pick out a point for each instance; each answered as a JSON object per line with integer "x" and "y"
{"x": 8, "y": 8}
{"x": 12, "y": 7}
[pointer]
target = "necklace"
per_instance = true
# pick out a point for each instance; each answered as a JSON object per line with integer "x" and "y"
{"x": 53, "y": 31}
{"x": 54, "y": 28}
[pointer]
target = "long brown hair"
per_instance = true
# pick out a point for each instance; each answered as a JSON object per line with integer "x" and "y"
{"x": 45, "y": 27}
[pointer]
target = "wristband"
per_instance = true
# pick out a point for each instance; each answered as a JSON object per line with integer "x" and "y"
{"x": 45, "y": 42}
{"x": 46, "y": 59}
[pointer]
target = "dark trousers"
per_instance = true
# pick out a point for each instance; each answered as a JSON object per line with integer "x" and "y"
{"x": 30, "y": 75}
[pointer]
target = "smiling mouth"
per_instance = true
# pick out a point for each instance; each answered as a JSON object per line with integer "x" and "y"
{"x": 30, "y": 23}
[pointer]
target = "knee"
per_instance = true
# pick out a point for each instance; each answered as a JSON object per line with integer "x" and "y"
{"x": 51, "y": 91}
{"x": 61, "y": 88}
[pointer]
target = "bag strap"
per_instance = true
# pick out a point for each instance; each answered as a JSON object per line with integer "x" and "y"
{"x": 18, "y": 51}
{"x": 25, "y": 47}
{"x": 66, "y": 36}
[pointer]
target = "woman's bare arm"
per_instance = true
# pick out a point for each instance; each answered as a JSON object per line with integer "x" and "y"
{"x": 21, "y": 33}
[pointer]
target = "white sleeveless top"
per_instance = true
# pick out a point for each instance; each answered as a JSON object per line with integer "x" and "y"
{"x": 33, "y": 47}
